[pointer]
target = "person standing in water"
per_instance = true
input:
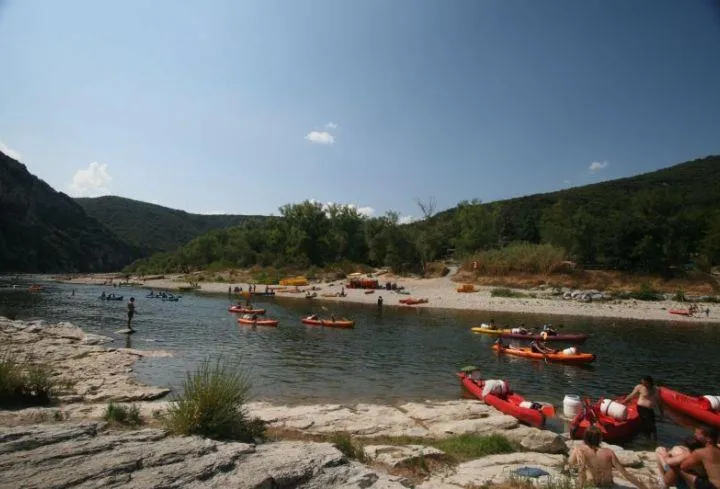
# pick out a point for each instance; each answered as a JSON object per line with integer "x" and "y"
{"x": 647, "y": 400}
{"x": 131, "y": 312}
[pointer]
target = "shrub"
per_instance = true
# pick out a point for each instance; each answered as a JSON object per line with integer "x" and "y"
{"x": 518, "y": 258}
{"x": 503, "y": 292}
{"x": 469, "y": 446}
{"x": 679, "y": 295}
{"x": 29, "y": 385}
{"x": 344, "y": 443}
{"x": 212, "y": 405}
{"x": 125, "y": 415}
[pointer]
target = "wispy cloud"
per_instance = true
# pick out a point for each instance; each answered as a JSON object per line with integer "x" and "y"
{"x": 566, "y": 182}
{"x": 598, "y": 165}
{"x": 331, "y": 125}
{"x": 91, "y": 181}
{"x": 9, "y": 151}
{"x": 320, "y": 137}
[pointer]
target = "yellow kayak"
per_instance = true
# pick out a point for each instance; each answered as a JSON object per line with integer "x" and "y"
{"x": 496, "y": 332}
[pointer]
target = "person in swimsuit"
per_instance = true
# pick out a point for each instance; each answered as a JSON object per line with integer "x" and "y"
{"x": 131, "y": 312}
{"x": 705, "y": 459}
{"x": 669, "y": 462}
{"x": 647, "y": 400}
{"x": 598, "y": 463}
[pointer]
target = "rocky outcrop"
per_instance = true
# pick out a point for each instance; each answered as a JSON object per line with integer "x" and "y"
{"x": 82, "y": 456}
{"x": 42, "y": 230}
{"x": 85, "y": 369}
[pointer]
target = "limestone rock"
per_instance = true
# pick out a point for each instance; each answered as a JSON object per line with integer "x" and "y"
{"x": 537, "y": 440}
{"x": 399, "y": 456}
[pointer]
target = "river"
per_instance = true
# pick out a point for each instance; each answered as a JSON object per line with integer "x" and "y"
{"x": 391, "y": 355}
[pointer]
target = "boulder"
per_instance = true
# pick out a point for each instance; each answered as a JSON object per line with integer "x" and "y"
{"x": 536, "y": 440}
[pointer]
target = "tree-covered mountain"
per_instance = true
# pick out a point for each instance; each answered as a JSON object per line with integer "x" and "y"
{"x": 653, "y": 222}
{"x": 42, "y": 230}
{"x": 155, "y": 228}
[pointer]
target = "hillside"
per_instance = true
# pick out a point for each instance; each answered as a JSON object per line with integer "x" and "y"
{"x": 655, "y": 223}
{"x": 152, "y": 227}
{"x": 42, "y": 230}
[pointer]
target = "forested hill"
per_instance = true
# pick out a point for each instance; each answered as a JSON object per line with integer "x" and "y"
{"x": 153, "y": 227}
{"x": 655, "y": 222}
{"x": 42, "y": 230}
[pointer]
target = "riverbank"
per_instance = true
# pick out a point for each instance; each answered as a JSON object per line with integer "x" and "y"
{"x": 442, "y": 293}
{"x": 393, "y": 437}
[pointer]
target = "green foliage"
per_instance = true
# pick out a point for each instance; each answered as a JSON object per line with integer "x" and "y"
{"x": 469, "y": 446}
{"x": 519, "y": 257}
{"x": 212, "y": 405}
{"x": 679, "y": 295}
{"x": 345, "y": 444}
{"x": 121, "y": 414}
{"x": 503, "y": 292}
{"x": 23, "y": 383}
{"x": 646, "y": 293}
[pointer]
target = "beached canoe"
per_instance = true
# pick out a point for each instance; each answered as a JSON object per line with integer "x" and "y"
{"x": 680, "y": 312}
{"x": 258, "y": 322}
{"x": 698, "y": 408}
{"x": 511, "y": 403}
{"x": 245, "y": 310}
{"x": 613, "y": 430}
{"x": 558, "y": 357}
{"x": 411, "y": 301}
{"x": 329, "y": 323}
{"x": 507, "y": 333}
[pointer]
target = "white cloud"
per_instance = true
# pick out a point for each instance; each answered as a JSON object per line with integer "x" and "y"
{"x": 331, "y": 125}
{"x": 598, "y": 165}
{"x": 566, "y": 182}
{"x": 366, "y": 210}
{"x": 320, "y": 137}
{"x": 406, "y": 219}
{"x": 10, "y": 152}
{"x": 92, "y": 181}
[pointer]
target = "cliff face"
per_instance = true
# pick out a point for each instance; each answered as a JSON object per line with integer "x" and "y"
{"x": 42, "y": 230}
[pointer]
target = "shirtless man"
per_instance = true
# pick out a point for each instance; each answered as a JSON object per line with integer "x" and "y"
{"x": 706, "y": 458}
{"x": 647, "y": 400}
{"x": 598, "y": 462}
{"x": 669, "y": 462}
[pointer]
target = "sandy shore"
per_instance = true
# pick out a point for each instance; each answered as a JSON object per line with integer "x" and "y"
{"x": 442, "y": 293}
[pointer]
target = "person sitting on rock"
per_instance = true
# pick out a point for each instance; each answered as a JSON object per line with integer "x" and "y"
{"x": 669, "y": 463}
{"x": 598, "y": 463}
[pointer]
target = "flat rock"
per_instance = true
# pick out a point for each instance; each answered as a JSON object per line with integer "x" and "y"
{"x": 400, "y": 456}
{"x": 536, "y": 440}
{"x": 82, "y": 456}
{"x": 480, "y": 426}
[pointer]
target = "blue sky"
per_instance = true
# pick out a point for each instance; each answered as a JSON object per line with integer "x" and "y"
{"x": 242, "y": 106}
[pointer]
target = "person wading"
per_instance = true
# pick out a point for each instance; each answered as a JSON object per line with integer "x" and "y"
{"x": 647, "y": 400}
{"x": 131, "y": 312}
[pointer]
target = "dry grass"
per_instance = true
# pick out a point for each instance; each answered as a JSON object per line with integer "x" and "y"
{"x": 694, "y": 283}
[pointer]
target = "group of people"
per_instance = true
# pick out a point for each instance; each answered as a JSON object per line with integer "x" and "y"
{"x": 694, "y": 309}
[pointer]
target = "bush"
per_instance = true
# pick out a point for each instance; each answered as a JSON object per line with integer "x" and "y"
{"x": 503, "y": 292}
{"x": 344, "y": 443}
{"x": 117, "y": 413}
{"x": 31, "y": 385}
{"x": 679, "y": 295}
{"x": 518, "y": 258}
{"x": 212, "y": 405}
{"x": 469, "y": 446}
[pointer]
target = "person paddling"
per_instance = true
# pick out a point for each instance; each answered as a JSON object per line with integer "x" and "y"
{"x": 131, "y": 312}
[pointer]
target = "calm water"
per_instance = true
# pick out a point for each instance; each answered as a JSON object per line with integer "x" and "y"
{"x": 399, "y": 354}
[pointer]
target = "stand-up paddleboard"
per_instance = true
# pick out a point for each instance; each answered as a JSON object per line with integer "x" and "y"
{"x": 125, "y": 331}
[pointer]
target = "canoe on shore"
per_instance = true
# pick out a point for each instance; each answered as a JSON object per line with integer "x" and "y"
{"x": 245, "y": 310}
{"x": 680, "y": 312}
{"x": 613, "y": 430}
{"x": 329, "y": 323}
{"x": 411, "y": 301}
{"x": 698, "y": 408}
{"x": 511, "y": 403}
{"x": 507, "y": 333}
{"x": 558, "y": 357}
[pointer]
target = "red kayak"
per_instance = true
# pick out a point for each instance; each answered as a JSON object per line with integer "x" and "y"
{"x": 680, "y": 312}
{"x": 338, "y": 323}
{"x": 258, "y": 322}
{"x": 613, "y": 430}
{"x": 245, "y": 310}
{"x": 697, "y": 408}
{"x": 509, "y": 403}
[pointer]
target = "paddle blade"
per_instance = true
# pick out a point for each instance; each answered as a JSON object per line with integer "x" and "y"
{"x": 469, "y": 368}
{"x": 548, "y": 410}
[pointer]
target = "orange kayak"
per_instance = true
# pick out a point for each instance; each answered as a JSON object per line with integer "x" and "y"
{"x": 551, "y": 357}
{"x": 411, "y": 302}
{"x": 259, "y": 322}
{"x": 338, "y": 323}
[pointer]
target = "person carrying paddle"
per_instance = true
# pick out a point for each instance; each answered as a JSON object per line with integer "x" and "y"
{"x": 131, "y": 312}
{"x": 705, "y": 459}
{"x": 647, "y": 400}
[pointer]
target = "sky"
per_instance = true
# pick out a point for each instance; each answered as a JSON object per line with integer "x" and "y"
{"x": 232, "y": 106}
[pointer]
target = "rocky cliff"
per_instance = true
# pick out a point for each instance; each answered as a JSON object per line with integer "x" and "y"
{"x": 42, "y": 230}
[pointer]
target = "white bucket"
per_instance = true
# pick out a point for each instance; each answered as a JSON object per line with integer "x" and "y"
{"x": 614, "y": 409}
{"x": 570, "y": 351}
{"x": 714, "y": 402}
{"x": 526, "y": 404}
{"x": 515, "y": 331}
{"x": 572, "y": 405}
